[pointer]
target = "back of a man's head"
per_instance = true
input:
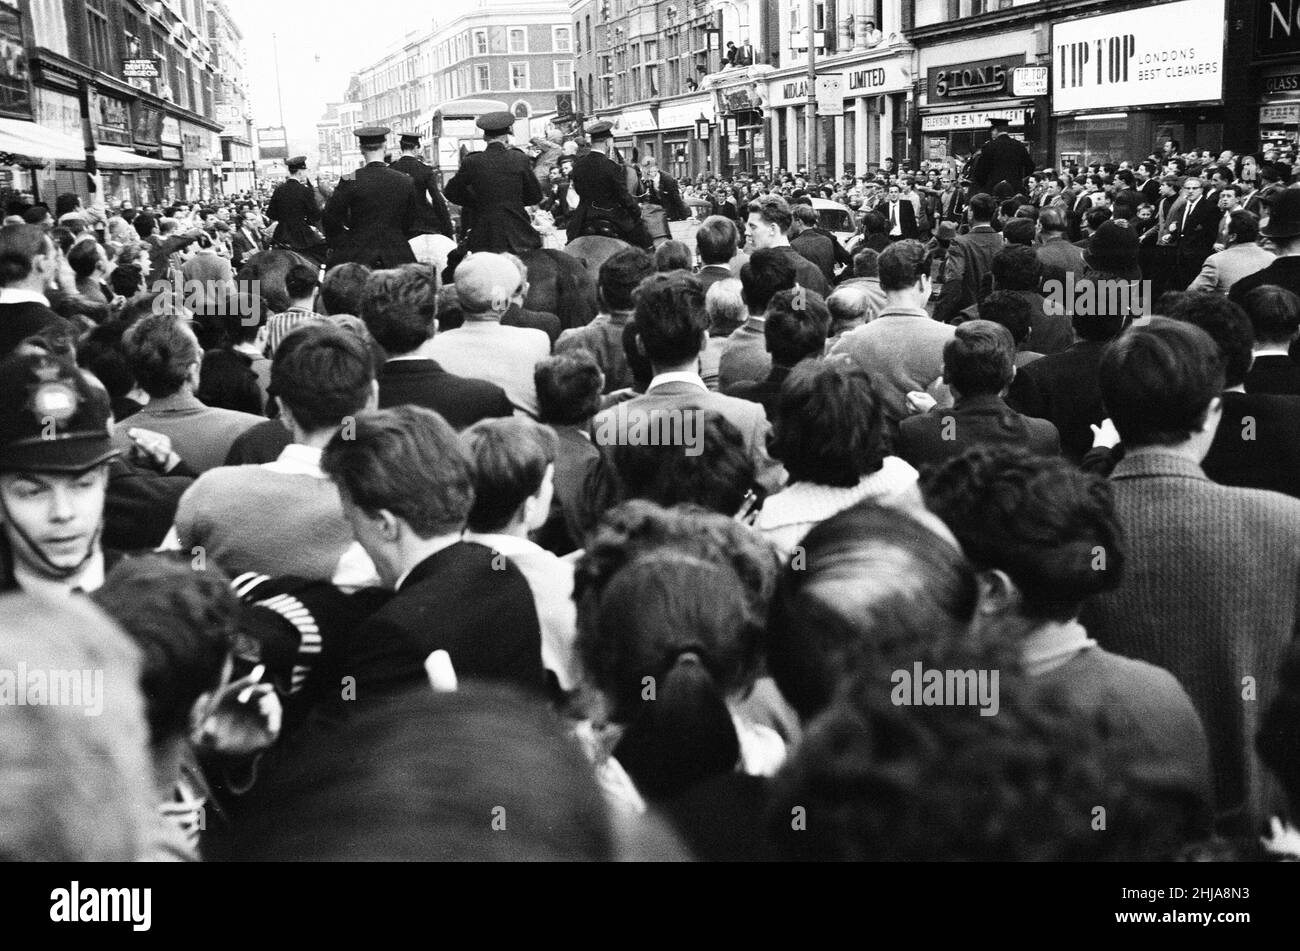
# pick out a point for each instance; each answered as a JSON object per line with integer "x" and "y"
{"x": 866, "y": 263}
{"x": 672, "y": 256}
{"x": 20, "y": 245}
{"x": 620, "y": 275}
{"x": 806, "y": 215}
{"x": 1227, "y": 324}
{"x": 161, "y": 349}
{"x": 982, "y": 208}
{"x": 84, "y": 258}
{"x": 849, "y": 306}
{"x": 407, "y": 461}
{"x": 300, "y": 281}
{"x": 569, "y": 387}
{"x": 1052, "y": 221}
{"x": 1096, "y": 217}
{"x": 765, "y": 273}
{"x": 725, "y": 303}
{"x": 796, "y": 328}
{"x": 399, "y": 307}
{"x": 1274, "y": 313}
{"x": 1017, "y": 268}
{"x": 511, "y": 457}
{"x": 1011, "y": 311}
{"x": 1158, "y": 381}
{"x": 343, "y": 289}
{"x": 671, "y": 318}
{"x": 323, "y": 374}
{"x": 717, "y": 240}
{"x": 980, "y": 360}
{"x": 1019, "y": 232}
{"x": 485, "y": 284}
{"x": 773, "y": 210}
{"x": 903, "y": 264}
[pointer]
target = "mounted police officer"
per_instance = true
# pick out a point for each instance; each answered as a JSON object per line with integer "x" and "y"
{"x": 494, "y": 189}
{"x": 372, "y": 214}
{"x": 606, "y": 204}
{"x": 433, "y": 217}
{"x": 296, "y": 213}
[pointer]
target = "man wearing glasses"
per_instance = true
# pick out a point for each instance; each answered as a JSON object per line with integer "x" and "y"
{"x": 1191, "y": 230}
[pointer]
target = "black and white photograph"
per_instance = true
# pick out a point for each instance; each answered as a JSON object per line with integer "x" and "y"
{"x": 726, "y": 432}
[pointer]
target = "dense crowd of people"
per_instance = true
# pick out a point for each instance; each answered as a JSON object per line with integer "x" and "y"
{"x": 777, "y": 544}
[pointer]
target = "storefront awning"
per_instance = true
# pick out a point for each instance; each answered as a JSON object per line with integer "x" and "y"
{"x": 29, "y": 140}
{"x": 111, "y": 157}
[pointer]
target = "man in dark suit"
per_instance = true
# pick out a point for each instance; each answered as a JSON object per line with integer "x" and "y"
{"x": 1059, "y": 257}
{"x": 460, "y": 610}
{"x": 247, "y": 240}
{"x": 432, "y": 216}
{"x": 899, "y": 214}
{"x": 371, "y": 217}
{"x": 1210, "y": 591}
{"x": 970, "y": 259}
{"x": 31, "y": 261}
{"x": 1283, "y": 229}
{"x": 295, "y": 212}
{"x": 1002, "y": 160}
{"x": 662, "y": 189}
{"x": 978, "y": 367}
{"x": 1275, "y": 316}
{"x": 1192, "y": 232}
{"x": 604, "y": 197}
{"x": 1063, "y": 388}
{"x": 495, "y": 188}
{"x": 398, "y": 309}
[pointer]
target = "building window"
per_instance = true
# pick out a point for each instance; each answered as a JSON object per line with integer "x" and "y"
{"x": 563, "y": 41}
{"x": 609, "y": 90}
{"x": 481, "y": 81}
{"x": 480, "y": 42}
{"x": 564, "y": 74}
{"x": 519, "y": 76}
{"x": 651, "y": 51}
{"x": 652, "y": 81}
{"x": 518, "y": 41}
{"x": 101, "y": 42}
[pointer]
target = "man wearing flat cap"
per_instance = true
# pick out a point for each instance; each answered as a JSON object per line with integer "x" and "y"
{"x": 494, "y": 189}
{"x": 296, "y": 213}
{"x": 1003, "y": 159}
{"x": 605, "y": 202}
{"x": 372, "y": 215}
{"x": 433, "y": 217}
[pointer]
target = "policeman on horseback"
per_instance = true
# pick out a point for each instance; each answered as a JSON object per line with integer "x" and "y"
{"x": 606, "y": 204}
{"x": 295, "y": 211}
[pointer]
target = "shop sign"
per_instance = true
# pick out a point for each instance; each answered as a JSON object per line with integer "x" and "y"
{"x": 982, "y": 79}
{"x": 954, "y": 121}
{"x": 1029, "y": 81}
{"x": 1277, "y": 28}
{"x": 1151, "y": 56}
{"x": 1283, "y": 114}
{"x": 872, "y": 78}
{"x": 830, "y": 95}
{"x": 1289, "y": 82}
{"x": 171, "y": 131}
{"x": 148, "y": 124}
{"x": 113, "y": 119}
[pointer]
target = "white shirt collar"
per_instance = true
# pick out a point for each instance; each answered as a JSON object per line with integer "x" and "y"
{"x": 19, "y": 295}
{"x": 1053, "y": 645}
{"x": 90, "y": 579}
{"x": 508, "y": 545}
{"x": 298, "y": 459}
{"x": 1273, "y": 352}
{"x": 663, "y": 379}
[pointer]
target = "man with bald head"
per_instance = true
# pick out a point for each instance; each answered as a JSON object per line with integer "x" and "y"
{"x": 482, "y": 348}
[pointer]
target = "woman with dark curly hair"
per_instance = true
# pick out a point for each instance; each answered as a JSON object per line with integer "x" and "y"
{"x": 829, "y": 432}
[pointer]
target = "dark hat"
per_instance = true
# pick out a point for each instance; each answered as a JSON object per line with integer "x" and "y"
{"x": 373, "y": 137}
{"x": 1284, "y": 216}
{"x": 998, "y": 121}
{"x": 496, "y": 123}
{"x": 51, "y": 419}
{"x": 1113, "y": 250}
{"x": 600, "y": 130}
{"x": 297, "y": 163}
{"x": 411, "y": 140}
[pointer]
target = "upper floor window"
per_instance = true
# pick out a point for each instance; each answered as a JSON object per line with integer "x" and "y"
{"x": 518, "y": 41}
{"x": 563, "y": 39}
{"x": 480, "y": 42}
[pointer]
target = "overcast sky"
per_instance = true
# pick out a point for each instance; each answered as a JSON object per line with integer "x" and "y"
{"x": 322, "y": 43}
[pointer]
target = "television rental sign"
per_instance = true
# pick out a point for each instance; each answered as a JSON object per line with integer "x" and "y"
{"x": 1167, "y": 53}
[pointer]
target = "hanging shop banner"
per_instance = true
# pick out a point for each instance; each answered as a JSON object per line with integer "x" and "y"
{"x": 830, "y": 94}
{"x": 1166, "y": 53}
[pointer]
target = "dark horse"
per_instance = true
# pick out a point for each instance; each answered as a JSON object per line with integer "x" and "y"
{"x": 268, "y": 269}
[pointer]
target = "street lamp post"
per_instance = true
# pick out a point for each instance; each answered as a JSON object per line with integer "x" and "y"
{"x": 810, "y": 131}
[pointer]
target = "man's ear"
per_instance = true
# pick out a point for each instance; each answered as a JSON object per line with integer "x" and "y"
{"x": 998, "y": 594}
{"x": 390, "y": 526}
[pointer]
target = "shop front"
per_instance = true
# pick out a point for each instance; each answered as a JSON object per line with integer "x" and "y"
{"x": 173, "y": 152}
{"x": 1127, "y": 83}
{"x": 962, "y": 94}
{"x": 146, "y": 139}
{"x": 682, "y": 153}
{"x": 856, "y": 138}
{"x": 633, "y": 130}
{"x": 197, "y": 161}
{"x": 1275, "y": 77}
